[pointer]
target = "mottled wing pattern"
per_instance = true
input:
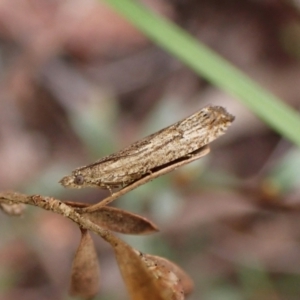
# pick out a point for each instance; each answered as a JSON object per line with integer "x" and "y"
{"x": 158, "y": 149}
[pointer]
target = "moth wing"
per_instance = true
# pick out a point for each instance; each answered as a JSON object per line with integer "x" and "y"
{"x": 143, "y": 146}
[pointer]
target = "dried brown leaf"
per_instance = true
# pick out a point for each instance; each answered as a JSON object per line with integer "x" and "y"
{"x": 85, "y": 269}
{"x": 185, "y": 280}
{"x": 121, "y": 221}
{"x": 166, "y": 278}
{"x": 142, "y": 277}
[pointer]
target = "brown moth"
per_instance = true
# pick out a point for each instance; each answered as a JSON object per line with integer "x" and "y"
{"x": 153, "y": 152}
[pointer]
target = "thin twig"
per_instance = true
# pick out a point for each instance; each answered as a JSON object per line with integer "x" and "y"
{"x": 57, "y": 206}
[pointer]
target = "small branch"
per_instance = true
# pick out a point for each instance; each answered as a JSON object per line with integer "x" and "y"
{"x": 57, "y": 206}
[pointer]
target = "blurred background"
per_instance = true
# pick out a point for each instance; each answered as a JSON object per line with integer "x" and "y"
{"x": 78, "y": 82}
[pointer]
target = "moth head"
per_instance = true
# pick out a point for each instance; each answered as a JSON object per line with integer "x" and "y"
{"x": 76, "y": 180}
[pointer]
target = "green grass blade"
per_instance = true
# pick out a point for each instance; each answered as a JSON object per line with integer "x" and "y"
{"x": 211, "y": 66}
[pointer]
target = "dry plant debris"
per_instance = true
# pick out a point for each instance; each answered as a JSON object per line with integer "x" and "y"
{"x": 143, "y": 274}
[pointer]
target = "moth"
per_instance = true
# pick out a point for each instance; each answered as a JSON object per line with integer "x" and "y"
{"x": 154, "y": 152}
